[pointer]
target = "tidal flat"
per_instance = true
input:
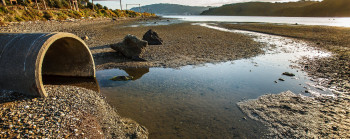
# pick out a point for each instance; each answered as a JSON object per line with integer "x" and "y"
{"x": 186, "y": 44}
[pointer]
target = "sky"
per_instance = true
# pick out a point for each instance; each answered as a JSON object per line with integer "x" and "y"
{"x": 116, "y": 4}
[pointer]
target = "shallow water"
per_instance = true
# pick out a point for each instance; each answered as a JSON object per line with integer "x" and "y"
{"x": 200, "y": 101}
{"x": 323, "y": 21}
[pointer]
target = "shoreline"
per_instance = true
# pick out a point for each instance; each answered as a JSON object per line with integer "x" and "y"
{"x": 288, "y": 114}
{"x": 193, "y": 45}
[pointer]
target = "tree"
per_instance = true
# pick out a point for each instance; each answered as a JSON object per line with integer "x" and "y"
{"x": 99, "y": 6}
{"x": 3, "y": 2}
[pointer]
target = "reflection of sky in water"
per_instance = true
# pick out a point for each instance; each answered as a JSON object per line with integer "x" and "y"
{"x": 201, "y": 100}
{"x": 255, "y": 75}
{"x": 324, "y": 21}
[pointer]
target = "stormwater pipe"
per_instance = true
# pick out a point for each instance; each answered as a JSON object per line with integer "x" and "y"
{"x": 25, "y": 58}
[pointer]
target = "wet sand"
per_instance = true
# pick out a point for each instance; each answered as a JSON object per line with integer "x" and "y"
{"x": 295, "y": 116}
{"x": 334, "y": 69}
{"x": 317, "y": 116}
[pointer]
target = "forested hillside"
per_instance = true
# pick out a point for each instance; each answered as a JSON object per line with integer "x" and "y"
{"x": 326, "y": 8}
{"x": 58, "y": 10}
{"x": 171, "y": 9}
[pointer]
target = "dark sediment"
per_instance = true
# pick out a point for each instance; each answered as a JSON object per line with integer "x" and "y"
{"x": 294, "y": 116}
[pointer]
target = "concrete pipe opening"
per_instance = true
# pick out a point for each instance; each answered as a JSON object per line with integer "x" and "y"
{"x": 27, "y": 60}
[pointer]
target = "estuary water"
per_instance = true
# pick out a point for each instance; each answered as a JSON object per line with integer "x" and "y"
{"x": 200, "y": 101}
{"x": 323, "y": 21}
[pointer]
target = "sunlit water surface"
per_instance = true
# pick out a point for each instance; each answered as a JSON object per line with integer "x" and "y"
{"x": 323, "y": 21}
{"x": 200, "y": 101}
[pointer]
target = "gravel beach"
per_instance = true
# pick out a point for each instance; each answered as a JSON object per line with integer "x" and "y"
{"x": 68, "y": 112}
{"x": 184, "y": 44}
{"x": 76, "y": 112}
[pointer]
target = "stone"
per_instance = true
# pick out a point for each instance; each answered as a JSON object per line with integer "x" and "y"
{"x": 131, "y": 47}
{"x": 85, "y": 38}
{"x": 288, "y": 74}
{"x": 40, "y": 119}
{"x": 152, "y": 38}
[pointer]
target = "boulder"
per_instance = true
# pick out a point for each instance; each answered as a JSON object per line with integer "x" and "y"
{"x": 152, "y": 38}
{"x": 130, "y": 47}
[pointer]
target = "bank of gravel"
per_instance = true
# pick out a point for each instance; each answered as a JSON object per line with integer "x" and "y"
{"x": 67, "y": 112}
{"x": 184, "y": 44}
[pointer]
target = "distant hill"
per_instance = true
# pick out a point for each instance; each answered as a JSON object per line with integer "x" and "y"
{"x": 326, "y": 8}
{"x": 171, "y": 9}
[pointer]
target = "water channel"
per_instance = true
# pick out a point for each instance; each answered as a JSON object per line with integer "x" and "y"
{"x": 200, "y": 101}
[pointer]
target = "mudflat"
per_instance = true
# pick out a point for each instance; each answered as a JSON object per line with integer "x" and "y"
{"x": 186, "y": 44}
{"x": 296, "y": 116}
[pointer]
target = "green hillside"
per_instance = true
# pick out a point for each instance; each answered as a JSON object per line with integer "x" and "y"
{"x": 58, "y": 10}
{"x": 333, "y": 8}
{"x": 171, "y": 9}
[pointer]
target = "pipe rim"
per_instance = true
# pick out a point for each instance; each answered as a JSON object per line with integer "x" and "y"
{"x": 40, "y": 58}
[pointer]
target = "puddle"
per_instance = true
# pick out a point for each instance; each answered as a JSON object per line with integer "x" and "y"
{"x": 200, "y": 101}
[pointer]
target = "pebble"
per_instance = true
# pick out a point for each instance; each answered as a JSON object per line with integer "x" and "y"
{"x": 59, "y": 115}
{"x": 288, "y": 74}
{"x": 85, "y": 38}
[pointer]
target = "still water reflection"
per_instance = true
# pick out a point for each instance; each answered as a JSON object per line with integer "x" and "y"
{"x": 200, "y": 101}
{"x": 322, "y": 21}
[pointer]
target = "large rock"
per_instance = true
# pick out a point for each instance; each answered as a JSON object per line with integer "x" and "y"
{"x": 130, "y": 47}
{"x": 152, "y": 38}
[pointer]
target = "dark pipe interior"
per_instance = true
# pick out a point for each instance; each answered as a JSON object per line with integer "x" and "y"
{"x": 67, "y": 62}
{"x": 67, "y": 57}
